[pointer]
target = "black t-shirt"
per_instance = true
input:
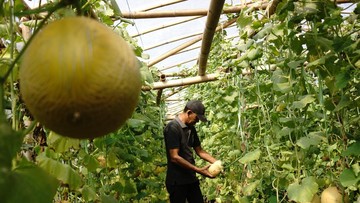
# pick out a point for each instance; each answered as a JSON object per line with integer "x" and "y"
{"x": 178, "y": 135}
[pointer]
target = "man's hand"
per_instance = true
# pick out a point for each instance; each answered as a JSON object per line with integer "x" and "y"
{"x": 204, "y": 171}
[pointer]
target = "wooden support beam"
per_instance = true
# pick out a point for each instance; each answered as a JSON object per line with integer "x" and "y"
{"x": 216, "y": 6}
{"x": 182, "y": 82}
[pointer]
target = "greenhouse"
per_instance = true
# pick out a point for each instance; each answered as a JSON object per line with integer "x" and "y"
{"x": 214, "y": 101}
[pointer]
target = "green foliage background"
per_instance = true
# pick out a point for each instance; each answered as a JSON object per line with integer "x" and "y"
{"x": 284, "y": 115}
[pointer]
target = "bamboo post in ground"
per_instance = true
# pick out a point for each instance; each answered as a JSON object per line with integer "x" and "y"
{"x": 211, "y": 24}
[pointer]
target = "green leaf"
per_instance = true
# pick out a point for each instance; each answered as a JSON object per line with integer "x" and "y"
{"x": 282, "y": 87}
{"x": 249, "y": 189}
{"x": 317, "y": 62}
{"x": 344, "y": 102}
{"x": 108, "y": 199}
{"x": 279, "y": 77}
{"x": 88, "y": 193}
{"x": 250, "y": 156}
{"x": 342, "y": 79}
{"x": 232, "y": 97}
{"x": 352, "y": 150}
{"x": 295, "y": 64}
{"x": 305, "y": 100}
{"x": 303, "y": 192}
{"x": 10, "y": 143}
{"x": 285, "y": 131}
{"x": 306, "y": 142}
{"x": 356, "y": 168}
{"x": 62, "y": 172}
{"x": 129, "y": 187}
{"x": 263, "y": 32}
{"x": 234, "y": 153}
{"x": 313, "y": 138}
{"x": 29, "y": 184}
{"x": 324, "y": 42}
{"x": 254, "y": 54}
{"x": 348, "y": 178}
{"x": 90, "y": 163}
{"x": 136, "y": 123}
{"x": 244, "y": 20}
{"x": 60, "y": 143}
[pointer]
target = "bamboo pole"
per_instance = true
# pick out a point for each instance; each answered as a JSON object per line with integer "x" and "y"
{"x": 172, "y": 40}
{"x": 182, "y": 82}
{"x": 197, "y": 12}
{"x": 188, "y": 49}
{"x": 175, "y": 92}
{"x": 162, "y": 5}
{"x": 165, "y": 26}
{"x": 175, "y": 50}
{"x": 216, "y": 6}
{"x": 188, "y": 12}
{"x": 174, "y": 74}
{"x": 187, "y": 44}
{"x": 178, "y": 64}
{"x": 173, "y": 100}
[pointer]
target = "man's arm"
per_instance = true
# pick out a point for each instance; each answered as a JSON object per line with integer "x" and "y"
{"x": 175, "y": 158}
{"x": 204, "y": 155}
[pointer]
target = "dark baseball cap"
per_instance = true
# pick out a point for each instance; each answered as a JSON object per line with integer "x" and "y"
{"x": 197, "y": 107}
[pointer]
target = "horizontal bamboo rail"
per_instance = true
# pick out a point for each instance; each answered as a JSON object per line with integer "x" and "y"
{"x": 175, "y": 50}
{"x": 187, "y": 44}
{"x": 172, "y": 40}
{"x": 178, "y": 64}
{"x": 161, "y": 5}
{"x": 165, "y": 26}
{"x": 177, "y": 91}
{"x": 188, "y": 49}
{"x": 181, "y": 82}
{"x": 182, "y": 13}
{"x": 177, "y": 74}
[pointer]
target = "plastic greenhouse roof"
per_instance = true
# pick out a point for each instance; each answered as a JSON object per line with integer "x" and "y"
{"x": 165, "y": 39}
{"x": 190, "y": 28}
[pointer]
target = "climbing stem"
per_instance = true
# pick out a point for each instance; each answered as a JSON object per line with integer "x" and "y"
{"x": 59, "y": 5}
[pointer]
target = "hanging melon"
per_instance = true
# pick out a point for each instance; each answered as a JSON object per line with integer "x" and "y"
{"x": 79, "y": 79}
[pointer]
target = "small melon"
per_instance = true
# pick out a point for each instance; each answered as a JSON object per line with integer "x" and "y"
{"x": 79, "y": 78}
{"x": 215, "y": 168}
{"x": 331, "y": 195}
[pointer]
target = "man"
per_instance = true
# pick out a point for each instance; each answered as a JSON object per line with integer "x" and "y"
{"x": 180, "y": 140}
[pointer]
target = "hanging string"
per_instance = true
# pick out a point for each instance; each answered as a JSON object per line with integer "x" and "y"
{"x": 136, "y": 28}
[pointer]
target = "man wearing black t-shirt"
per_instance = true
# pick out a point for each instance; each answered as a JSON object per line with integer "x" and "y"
{"x": 180, "y": 140}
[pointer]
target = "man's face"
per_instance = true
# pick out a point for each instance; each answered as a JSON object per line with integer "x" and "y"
{"x": 192, "y": 118}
